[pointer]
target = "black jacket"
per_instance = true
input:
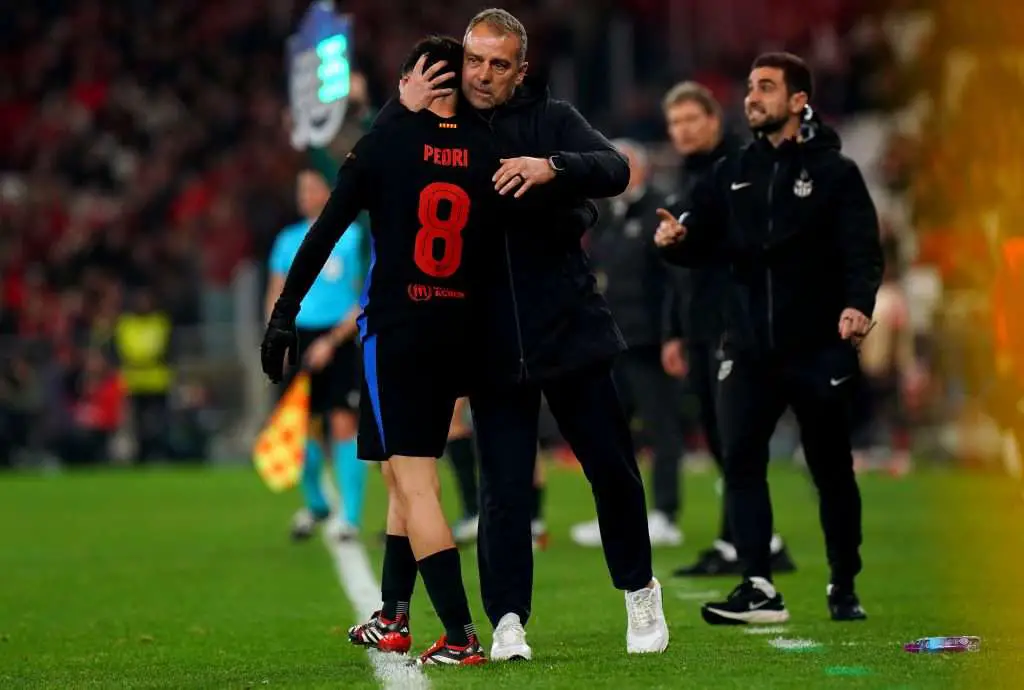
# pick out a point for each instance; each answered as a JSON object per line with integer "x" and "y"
{"x": 540, "y": 313}
{"x": 802, "y": 240}
{"x": 694, "y": 308}
{"x": 630, "y": 273}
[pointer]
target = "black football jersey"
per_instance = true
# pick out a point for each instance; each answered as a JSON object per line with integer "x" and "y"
{"x": 426, "y": 183}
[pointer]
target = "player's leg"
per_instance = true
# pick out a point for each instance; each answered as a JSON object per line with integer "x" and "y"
{"x": 412, "y": 406}
{"x": 590, "y": 416}
{"x": 388, "y": 629}
{"x": 750, "y": 401}
{"x": 538, "y": 528}
{"x": 821, "y": 402}
{"x": 349, "y": 470}
{"x": 316, "y": 508}
{"x": 461, "y": 452}
{"x": 506, "y": 429}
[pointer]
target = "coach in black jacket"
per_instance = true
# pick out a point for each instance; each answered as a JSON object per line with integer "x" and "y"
{"x": 545, "y": 329}
{"x": 794, "y": 219}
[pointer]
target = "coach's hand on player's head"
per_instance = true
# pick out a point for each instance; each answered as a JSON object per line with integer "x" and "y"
{"x": 519, "y": 174}
{"x": 670, "y": 230}
{"x": 853, "y": 325}
{"x": 418, "y": 89}
{"x": 280, "y": 339}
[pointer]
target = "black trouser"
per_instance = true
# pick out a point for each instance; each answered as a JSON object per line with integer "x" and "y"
{"x": 150, "y": 417}
{"x": 590, "y": 417}
{"x": 703, "y": 364}
{"x": 651, "y": 394}
{"x": 753, "y": 393}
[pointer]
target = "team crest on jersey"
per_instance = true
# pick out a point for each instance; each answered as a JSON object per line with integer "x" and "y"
{"x": 803, "y": 186}
{"x": 333, "y": 268}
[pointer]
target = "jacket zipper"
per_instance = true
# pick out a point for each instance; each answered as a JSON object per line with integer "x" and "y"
{"x": 523, "y": 371}
{"x": 768, "y": 269}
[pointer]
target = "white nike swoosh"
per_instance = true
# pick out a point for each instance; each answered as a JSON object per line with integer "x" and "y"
{"x": 754, "y": 607}
{"x": 836, "y": 382}
{"x": 739, "y": 185}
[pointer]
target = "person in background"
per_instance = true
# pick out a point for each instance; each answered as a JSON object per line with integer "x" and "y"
{"x": 693, "y": 323}
{"x": 327, "y": 329}
{"x": 97, "y": 412}
{"x": 142, "y": 341}
{"x": 635, "y": 281}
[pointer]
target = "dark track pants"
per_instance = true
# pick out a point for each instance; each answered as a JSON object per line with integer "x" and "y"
{"x": 590, "y": 418}
{"x": 752, "y": 395}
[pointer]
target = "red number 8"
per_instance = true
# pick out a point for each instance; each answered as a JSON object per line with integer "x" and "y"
{"x": 447, "y": 229}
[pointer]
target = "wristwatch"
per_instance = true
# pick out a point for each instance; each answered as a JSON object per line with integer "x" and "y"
{"x": 556, "y": 163}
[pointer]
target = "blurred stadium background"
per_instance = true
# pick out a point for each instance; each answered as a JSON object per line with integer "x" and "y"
{"x": 146, "y": 164}
{"x": 147, "y": 157}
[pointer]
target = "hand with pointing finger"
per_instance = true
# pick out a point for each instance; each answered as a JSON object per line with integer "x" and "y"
{"x": 418, "y": 89}
{"x": 670, "y": 231}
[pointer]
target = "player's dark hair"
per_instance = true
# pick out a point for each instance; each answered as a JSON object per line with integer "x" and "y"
{"x": 795, "y": 71}
{"x": 438, "y": 48}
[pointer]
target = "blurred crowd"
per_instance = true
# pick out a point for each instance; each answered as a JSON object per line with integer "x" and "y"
{"x": 146, "y": 157}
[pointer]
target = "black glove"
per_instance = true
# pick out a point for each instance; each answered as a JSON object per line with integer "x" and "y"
{"x": 281, "y": 337}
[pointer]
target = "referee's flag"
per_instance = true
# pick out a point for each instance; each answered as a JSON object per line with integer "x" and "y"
{"x": 281, "y": 445}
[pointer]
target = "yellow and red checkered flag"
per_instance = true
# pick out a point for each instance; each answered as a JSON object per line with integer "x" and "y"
{"x": 280, "y": 447}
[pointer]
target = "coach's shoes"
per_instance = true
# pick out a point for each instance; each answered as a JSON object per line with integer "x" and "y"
{"x": 383, "y": 634}
{"x": 445, "y": 654}
{"x": 646, "y": 631}
{"x": 844, "y": 605}
{"x": 510, "y": 640}
{"x": 753, "y": 601}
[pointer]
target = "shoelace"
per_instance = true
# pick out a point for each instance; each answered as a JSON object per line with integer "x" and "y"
{"x": 642, "y": 608}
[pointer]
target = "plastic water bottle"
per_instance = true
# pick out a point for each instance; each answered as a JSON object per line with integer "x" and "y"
{"x": 938, "y": 645}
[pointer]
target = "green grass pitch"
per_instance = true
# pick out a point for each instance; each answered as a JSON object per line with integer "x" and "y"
{"x": 167, "y": 578}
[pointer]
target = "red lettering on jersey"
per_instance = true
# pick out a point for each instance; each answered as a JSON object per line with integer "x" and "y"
{"x": 446, "y": 158}
{"x": 419, "y": 292}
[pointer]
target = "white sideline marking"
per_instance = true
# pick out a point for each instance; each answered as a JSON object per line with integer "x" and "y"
{"x": 765, "y": 630}
{"x": 392, "y": 670}
{"x": 791, "y": 645}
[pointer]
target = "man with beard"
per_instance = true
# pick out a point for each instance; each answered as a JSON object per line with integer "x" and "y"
{"x": 693, "y": 323}
{"x": 793, "y": 218}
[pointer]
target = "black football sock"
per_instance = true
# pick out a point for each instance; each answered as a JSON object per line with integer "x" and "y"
{"x": 537, "y": 503}
{"x": 463, "y": 457}
{"x": 398, "y": 577}
{"x": 442, "y": 576}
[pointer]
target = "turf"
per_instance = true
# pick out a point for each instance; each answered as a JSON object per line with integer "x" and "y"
{"x": 185, "y": 579}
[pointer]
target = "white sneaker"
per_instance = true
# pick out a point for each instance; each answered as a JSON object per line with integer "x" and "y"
{"x": 647, "y": 631}
{"x": 465, "y": 531}
{"x": 510, "y": 640}
{"x": 586, "y": 534}
{"x": 662, "y": 530}
{"x": 304, "y": 524}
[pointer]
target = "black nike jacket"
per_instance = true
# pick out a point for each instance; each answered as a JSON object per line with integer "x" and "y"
{"x": 801, "y": 239}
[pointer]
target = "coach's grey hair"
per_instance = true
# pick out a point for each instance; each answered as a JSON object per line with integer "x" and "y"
{"x": 503, "y": 22}
{"x": 635, "y": 147}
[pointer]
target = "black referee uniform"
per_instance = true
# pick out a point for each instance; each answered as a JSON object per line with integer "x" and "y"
{"x": 800, "y": 233}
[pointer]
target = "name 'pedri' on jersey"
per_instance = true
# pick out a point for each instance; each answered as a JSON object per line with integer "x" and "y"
{"x": 425, "y": 181}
